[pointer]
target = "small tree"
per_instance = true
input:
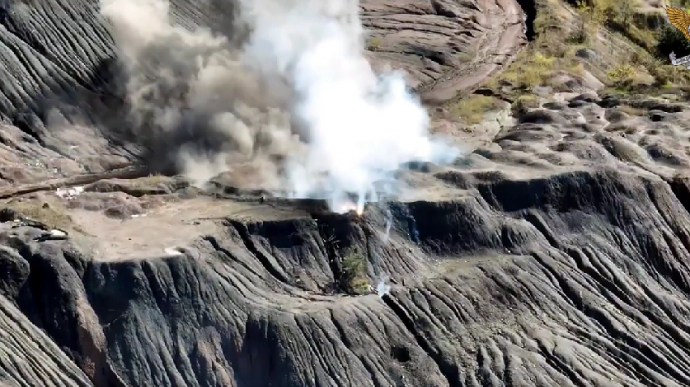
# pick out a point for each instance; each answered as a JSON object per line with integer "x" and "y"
{"x": 672, "y": 40}
{"x": 355, "y": 279}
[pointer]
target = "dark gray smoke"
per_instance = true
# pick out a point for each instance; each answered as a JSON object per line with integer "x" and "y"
{"x": 295, "y": 108}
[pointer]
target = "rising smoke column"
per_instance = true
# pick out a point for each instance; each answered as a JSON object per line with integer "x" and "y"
{"x": 193, "y": 105}
{"x": 348, "y": 126}
{"x": 361, "y": 126}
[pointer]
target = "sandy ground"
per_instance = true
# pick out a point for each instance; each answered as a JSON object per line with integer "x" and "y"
{"x": 164, "y": 230}
{"x": 585, "y": 137}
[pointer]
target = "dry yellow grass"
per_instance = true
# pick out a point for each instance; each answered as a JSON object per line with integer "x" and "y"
{"x": 53, "y": 215}
{"x": 629, "y": 65}
{"x": 530, "y": 70}
{"x": 374, "y": 43}
{"x": 472, "y": 109}
{"x": 523, "y": 103}
{"x": 549, "y": 15}
{"x": 625, "y": 76}
{"x": 619, "y": 15}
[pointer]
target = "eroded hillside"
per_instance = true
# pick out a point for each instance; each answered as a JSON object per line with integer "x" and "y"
{"x": 554, "y": 252}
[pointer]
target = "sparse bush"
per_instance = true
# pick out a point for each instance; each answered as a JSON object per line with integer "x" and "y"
{"x": 580, "y": 36}
{"x": 546, "y": 19}
{"x": 616, "y": 15}
{"x": 603, "y": 12}
{"x": 622, "y": 72}
{"x": 532, "y": 71}
{"x": 523, "y": 104}
{"x": 355, "y": 279}
{"x": 624, "y": 76}
{"x": 471, "y": 110}
{"x": 642, "y": 57}
{"x": 374, "y": 43}
{"x": 666, "y": 74}
{"x": 593, "y": 12}
{"x": 670, "y": 39}
{"x": 543, "y": 61}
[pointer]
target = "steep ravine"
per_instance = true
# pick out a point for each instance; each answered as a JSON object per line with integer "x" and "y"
{"x": 574, "y": 279}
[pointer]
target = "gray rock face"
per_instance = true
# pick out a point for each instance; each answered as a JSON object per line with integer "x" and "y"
{"x": 557, "y": 255}
{"x": 557, "y": 281}
{"x": 60, "y": 71}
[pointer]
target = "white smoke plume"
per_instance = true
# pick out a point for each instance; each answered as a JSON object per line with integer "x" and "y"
{"x": 293, "y": 107}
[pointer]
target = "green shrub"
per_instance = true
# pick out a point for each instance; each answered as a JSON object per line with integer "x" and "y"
{"x": 355, "y": 279}
{"x": 670, "y": 39}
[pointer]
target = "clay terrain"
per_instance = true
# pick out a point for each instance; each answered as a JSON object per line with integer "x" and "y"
{"x": 554, "y": 251}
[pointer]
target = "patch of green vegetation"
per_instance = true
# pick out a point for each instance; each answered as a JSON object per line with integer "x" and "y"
{"x": 667, "y": 75}
{"x": 617, "y": 16}
{"x": 548, "y": 18}
{"x": 664, "y": 74}
{"x": 552, "y": 53}
{"x": 656, "y": 44}
{"x": 534, "y": 69}
{"x": 537, "y": 66}
{"x": 523, "y": 103}
{"x": 355, "y": 279}
{"x": 624, "y": 76}
{"x": 472, "y": 109}
{"x": 374, "y": 43}
{"x": 638, "y": 62}
{"x": 670, "y": 39}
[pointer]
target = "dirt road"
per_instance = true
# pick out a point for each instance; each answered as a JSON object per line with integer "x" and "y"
{"x": 445, "y": 46}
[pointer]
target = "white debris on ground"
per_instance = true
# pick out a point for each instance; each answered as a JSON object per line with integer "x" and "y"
{"x": 173, "y": 251}
{"x": 138, "y": 216}
{"x": 69, "y": 193}
{"x": 383, "y": 288}
{"x": 52, "y": 235}
{"x": 57, "y": 233}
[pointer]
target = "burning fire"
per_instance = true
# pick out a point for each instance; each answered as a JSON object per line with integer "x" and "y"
{"x": 347, "y": 207}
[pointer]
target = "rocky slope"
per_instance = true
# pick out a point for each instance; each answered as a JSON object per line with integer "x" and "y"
{"x": 555, "y": 253}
